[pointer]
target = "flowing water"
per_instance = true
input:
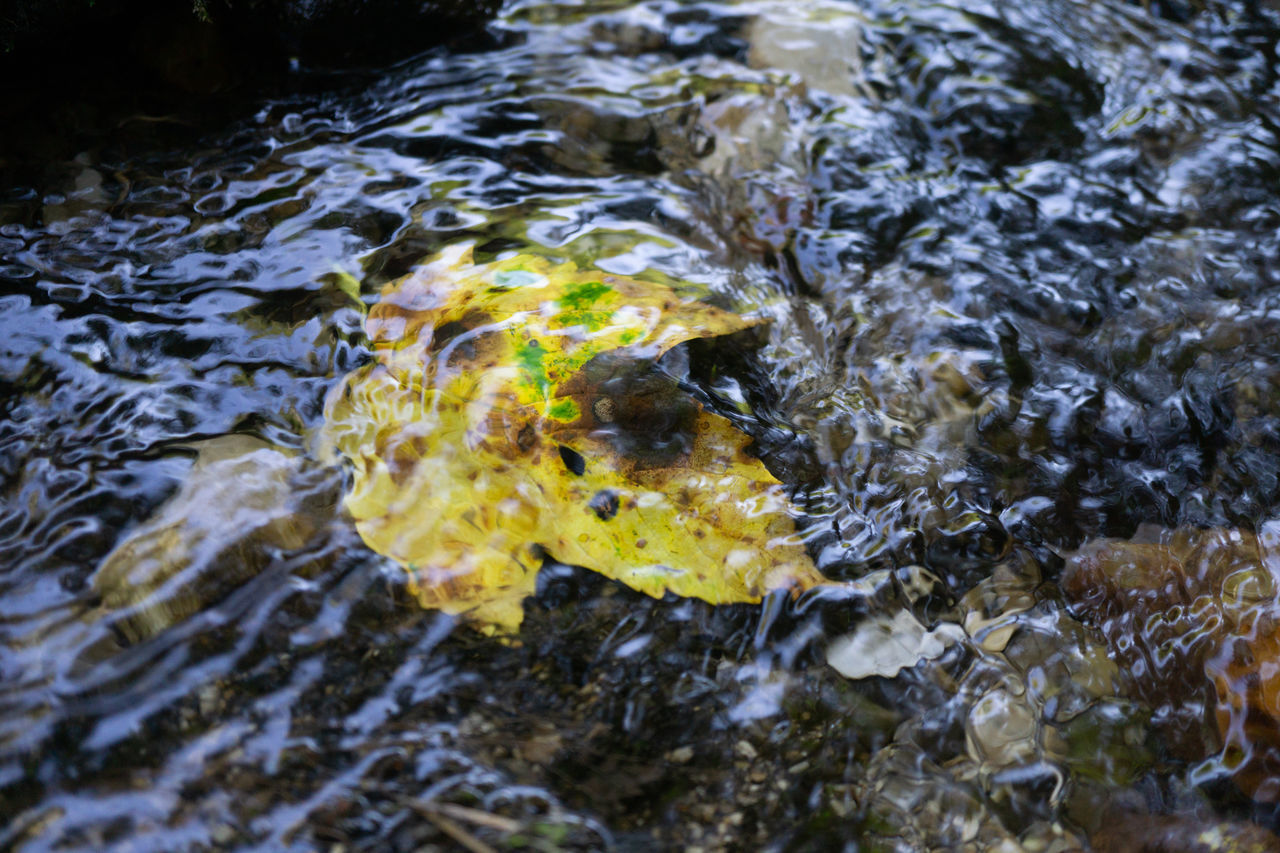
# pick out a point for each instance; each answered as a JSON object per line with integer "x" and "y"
{"x": 1022, "y": 262}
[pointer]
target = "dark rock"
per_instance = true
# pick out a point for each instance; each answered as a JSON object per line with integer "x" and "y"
{"x": 75, "y": 73}
{"x": 317, "y": 33}
{"x": 337, "y": 32}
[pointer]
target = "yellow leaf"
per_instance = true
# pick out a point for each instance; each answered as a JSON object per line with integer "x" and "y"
{"x": 514, "y": 409}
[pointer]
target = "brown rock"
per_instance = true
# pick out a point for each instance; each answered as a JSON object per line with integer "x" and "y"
{"x": 1191, "y": 616}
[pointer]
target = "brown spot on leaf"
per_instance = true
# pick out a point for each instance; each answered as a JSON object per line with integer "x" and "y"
{"x": 526, "y": 438}
{"x": 605, "y": 504}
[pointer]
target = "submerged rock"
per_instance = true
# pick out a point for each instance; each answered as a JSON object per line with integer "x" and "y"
{"x": 1191, "y": 617}
{"x": 1165, "y": 834}
{"x": 243, "y": 503}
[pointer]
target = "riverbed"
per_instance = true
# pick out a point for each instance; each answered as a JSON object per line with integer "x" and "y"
{"x": 1020, "y": 266}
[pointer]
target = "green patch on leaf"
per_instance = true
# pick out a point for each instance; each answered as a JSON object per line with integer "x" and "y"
{"x": 564, "y": 410}
{"x": 581, "y": 295}
{"x": 530, "y": 358}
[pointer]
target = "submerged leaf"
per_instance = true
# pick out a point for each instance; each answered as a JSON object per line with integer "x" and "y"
{"x": 515, "y": 410}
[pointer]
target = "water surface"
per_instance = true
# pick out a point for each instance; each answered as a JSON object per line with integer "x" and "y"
{"x": 1023, "y": 268}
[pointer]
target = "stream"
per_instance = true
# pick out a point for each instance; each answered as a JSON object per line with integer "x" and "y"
{"x": 1020, "y": 379}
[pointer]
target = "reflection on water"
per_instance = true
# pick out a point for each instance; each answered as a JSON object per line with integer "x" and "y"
{"x": 1023, "y": 268}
